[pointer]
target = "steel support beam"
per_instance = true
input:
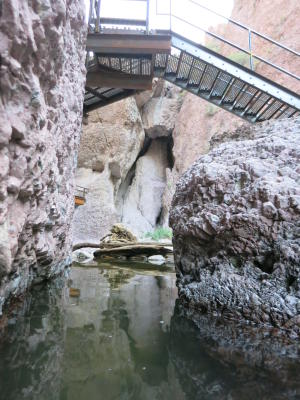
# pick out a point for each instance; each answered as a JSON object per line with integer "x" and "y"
{"x": 115, "y": 79}
{"x": 110, "y": 100}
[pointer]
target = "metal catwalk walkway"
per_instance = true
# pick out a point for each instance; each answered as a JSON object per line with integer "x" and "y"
{"x": 123, "y": 61}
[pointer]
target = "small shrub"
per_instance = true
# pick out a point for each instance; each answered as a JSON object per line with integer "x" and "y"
{"x": 243, "y": 59}
{"x": 214, "y": 47}
{"x": 159, "y": 233}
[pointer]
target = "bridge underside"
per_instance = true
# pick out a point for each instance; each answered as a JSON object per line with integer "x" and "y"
{"x": 124, "y": 63}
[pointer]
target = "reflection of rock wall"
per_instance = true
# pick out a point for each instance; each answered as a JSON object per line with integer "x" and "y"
{"x": 42, "y": 84}
{"x": 114, "y": 333}
{"x": 32, "y": 347}
{"x": 219, "y": 359}
{"x": 119, "y": 318}
{"x": 236, "y": 220}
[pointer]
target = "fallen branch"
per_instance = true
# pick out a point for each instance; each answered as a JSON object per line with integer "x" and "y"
{"x": 135, "y": 249}
{"x": 82, "y": 245}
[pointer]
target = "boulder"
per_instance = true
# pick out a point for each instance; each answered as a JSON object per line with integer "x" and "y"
{"x": 236, "y": 224}
{"x": 82, "y": 256}
{"x": 157, "y": 259}
{"x": 120, "y": 234}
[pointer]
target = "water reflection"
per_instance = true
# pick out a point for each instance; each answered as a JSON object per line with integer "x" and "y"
{"x": 113, "y": 333}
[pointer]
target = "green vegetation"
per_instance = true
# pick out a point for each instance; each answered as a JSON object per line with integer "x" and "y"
{"x": 214, "y": 47}
{"x": 243, "y": 59}
{"x": 160, "y": 233}
{"x": 211, "y": 110}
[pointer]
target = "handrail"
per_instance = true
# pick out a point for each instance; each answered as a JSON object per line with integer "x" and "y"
{"x": 95, "y": 4}
{"x": 81, "y": 191}
{"x": 246, "y": 28}
{"x": 250, "y": 33}
{"x": 250, "y": 53}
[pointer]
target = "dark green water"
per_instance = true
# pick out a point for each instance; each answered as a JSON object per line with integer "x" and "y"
{"x": 118, "y": 333}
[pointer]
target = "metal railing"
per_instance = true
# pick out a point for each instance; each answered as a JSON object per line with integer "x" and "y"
{"x": 81, "y": 191}
{"x": 250, "y": 32}
{"x": 95, "y": 25}
{"x": 95, "y": 15}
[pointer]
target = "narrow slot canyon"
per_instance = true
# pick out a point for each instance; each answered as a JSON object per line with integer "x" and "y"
{"x": 149, "y": 200}
{"x": 127, "y": 164}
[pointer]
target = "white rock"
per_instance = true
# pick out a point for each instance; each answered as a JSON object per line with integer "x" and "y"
{"x": 157, "y": 259}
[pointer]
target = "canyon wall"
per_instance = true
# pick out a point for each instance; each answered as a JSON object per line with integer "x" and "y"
{"x": 124, "y": 159}
{"x": 183, "y": 125}
{"x": 42, "y": 46}
{"x": 110, "y": 144}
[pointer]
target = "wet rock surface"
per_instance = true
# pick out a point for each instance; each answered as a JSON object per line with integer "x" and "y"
{"x": 41, "y": 84}
{"x": 236, "y": 223}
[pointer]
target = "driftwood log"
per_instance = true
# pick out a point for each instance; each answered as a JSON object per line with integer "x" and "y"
{"x": 135, "y": 249}
{"x": 85, "y": 245}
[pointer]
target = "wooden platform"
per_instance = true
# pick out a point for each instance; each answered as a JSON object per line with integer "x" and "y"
{"x": 123, "y": 43}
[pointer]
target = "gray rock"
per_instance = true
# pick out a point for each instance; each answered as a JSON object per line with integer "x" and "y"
{"x": 236, "y": 227}
{"x": 82, "y": 256}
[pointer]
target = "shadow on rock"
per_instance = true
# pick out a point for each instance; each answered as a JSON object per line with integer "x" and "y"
{"x": 216, "y": 359}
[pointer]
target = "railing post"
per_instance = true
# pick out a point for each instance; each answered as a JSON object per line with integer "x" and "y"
{"x": 250, "y": 49}
{"x": 170, "y": 15}
{"x": 98, "y": 4}
{"x": 147, "y": 16}
{"x": 90, "y": 14}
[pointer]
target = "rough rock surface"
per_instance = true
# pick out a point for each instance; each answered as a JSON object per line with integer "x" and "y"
{"x": 142, "y": 203}
{"x": 42, "y": 46}
{"x": 124, "y": 155}
{"x": 109, "y": 146}
{"x": 160, "y": 111}
{"x": 236, "y": 225}
{"x": 119, "y": 233}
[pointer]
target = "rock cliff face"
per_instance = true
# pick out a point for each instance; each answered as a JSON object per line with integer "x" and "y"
{"x": 186, "y": 121}
{"x": 236, "y": 223}
{"x": 110, "y": 145}
{"x": 142, "y": 201}
{"x": 124, "y": 158}
{"x": 42, "y": 71}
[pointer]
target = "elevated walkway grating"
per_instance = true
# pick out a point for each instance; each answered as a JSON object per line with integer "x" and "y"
{"x": 193, "y": 67}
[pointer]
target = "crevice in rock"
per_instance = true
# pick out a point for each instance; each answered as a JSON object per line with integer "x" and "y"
{"x": 266, "y": 264}
{"x": 139, "y": 197}
{"x": 170, "y": 156}
{"x": 290, "y": 282}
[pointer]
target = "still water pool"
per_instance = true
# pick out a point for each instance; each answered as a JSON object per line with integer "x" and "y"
{"x": 117, "y": 332}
